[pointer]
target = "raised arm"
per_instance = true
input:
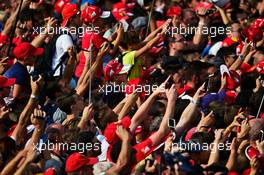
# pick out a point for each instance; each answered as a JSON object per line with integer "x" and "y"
{"x": 25, "y": 115}
{"x": 242, "y": 56}
{"x": 11, "y": 167}
{"x": 124, "y": 155}
{"x": 86, "y": 116}
{"x": 164, "y": 128}
{"x": 87, "y": 74}
{"x": 188, "y": 113}
{"x": 38, "y": 41}
{"x": 38, "y": 120}
{"x": 70, "y": 66}
{"x": 223, "y": 15}
{"x": 11, "y": 20}
{"x": 131, "y": 100}
{"x": 141, "y": 113}
{"x": 153, "y": 41}
{"x": 199, "y": 36}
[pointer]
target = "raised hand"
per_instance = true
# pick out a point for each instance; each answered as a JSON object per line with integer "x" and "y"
{"x": 122, "y": 133}
{"x": 162, "y": 87}
{"x": 171, "y": 93}
{"x": 38, "y": 118}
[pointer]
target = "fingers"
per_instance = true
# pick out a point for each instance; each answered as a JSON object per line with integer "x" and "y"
{"x": 4, "y": 60}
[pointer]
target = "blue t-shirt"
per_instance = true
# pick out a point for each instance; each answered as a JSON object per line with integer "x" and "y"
{"x": 19, "y": 72}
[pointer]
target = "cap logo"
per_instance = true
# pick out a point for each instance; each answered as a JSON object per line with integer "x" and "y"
{"x": 93, "y": 14}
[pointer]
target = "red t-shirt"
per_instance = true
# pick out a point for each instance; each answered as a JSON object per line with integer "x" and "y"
{"x": 97, "y": 40}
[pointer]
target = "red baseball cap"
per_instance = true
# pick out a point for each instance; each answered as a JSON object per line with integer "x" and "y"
{"x": 110, "y": 130}
{"x": 59, "y": 4}
{"x": 91, "y": 13}
{"x": 50, "y": 171}
{"x": 121, "y": 11}
{"x": 113, "y": 68}
{"x": 6, "y": 82}
{"x": 205, "y": 5}
{"x": 26, "y": 50}
{"x": 68, "y": 11}
{"x": 174, "y": 11}
{"x": 77, "y": 161}
{"x": 258, "y": 23}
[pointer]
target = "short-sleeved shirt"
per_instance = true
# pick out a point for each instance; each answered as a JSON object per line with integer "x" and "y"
{"x": 19, "y": 72}
{"x": 62, "y": 44}
{"x": 129, "y": 58}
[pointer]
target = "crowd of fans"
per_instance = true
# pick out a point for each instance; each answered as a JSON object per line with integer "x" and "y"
{"x": 131, "y": 87}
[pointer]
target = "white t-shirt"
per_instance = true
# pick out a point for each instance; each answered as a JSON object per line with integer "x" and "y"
{"x": 62, "y": 44}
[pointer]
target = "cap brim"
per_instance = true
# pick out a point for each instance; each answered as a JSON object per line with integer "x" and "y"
{"x": 105, "y": 14}
{"x": 224, "y": 70}
{"x": 92, "y": 161}
{"x": 9, "y": 82}
{"x": 38, "y": 52}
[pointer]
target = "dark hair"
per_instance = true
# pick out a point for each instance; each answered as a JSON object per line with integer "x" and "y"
{"x": 217, "y": 167}
{"x": 65, "y": 102}
{"x": 214, "y": 84}
{"x": 157, "y": 109}
{"x": 26, "y": 15}
{"x": 7, "y": 149}
{"x": 130, "y": 38}
{"x": 225, "y": 51}
{"x": 103, "y": 115}
{"x": 202, "y": 137}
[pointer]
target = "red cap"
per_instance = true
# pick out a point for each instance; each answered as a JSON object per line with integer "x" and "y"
{"x": 205, "y": 5}
{"x": 121, "y": 11}
{"x": 247, "y": 171}
{"x": 174, "y": 11}
{"x": 68, "y": 11}
{"x": 113, "y": 68}
{"x": 50, "y": 171}
{"x": 230, "y": 97}
{"x": 91, "y": 13}
{"x": 232, "y": 173}
{"x": 258, "y": 23}
{"x": 260, "y": 67}
{"x": 253, "y": 34}
{"x": 110, "y": 130}
{"x": 77, "y": 161}
{"x": 59, "y": 4}
{"x": 26, "y": 50}
{"x": 234, "y": 80}
{"x": 6, "y": 82}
